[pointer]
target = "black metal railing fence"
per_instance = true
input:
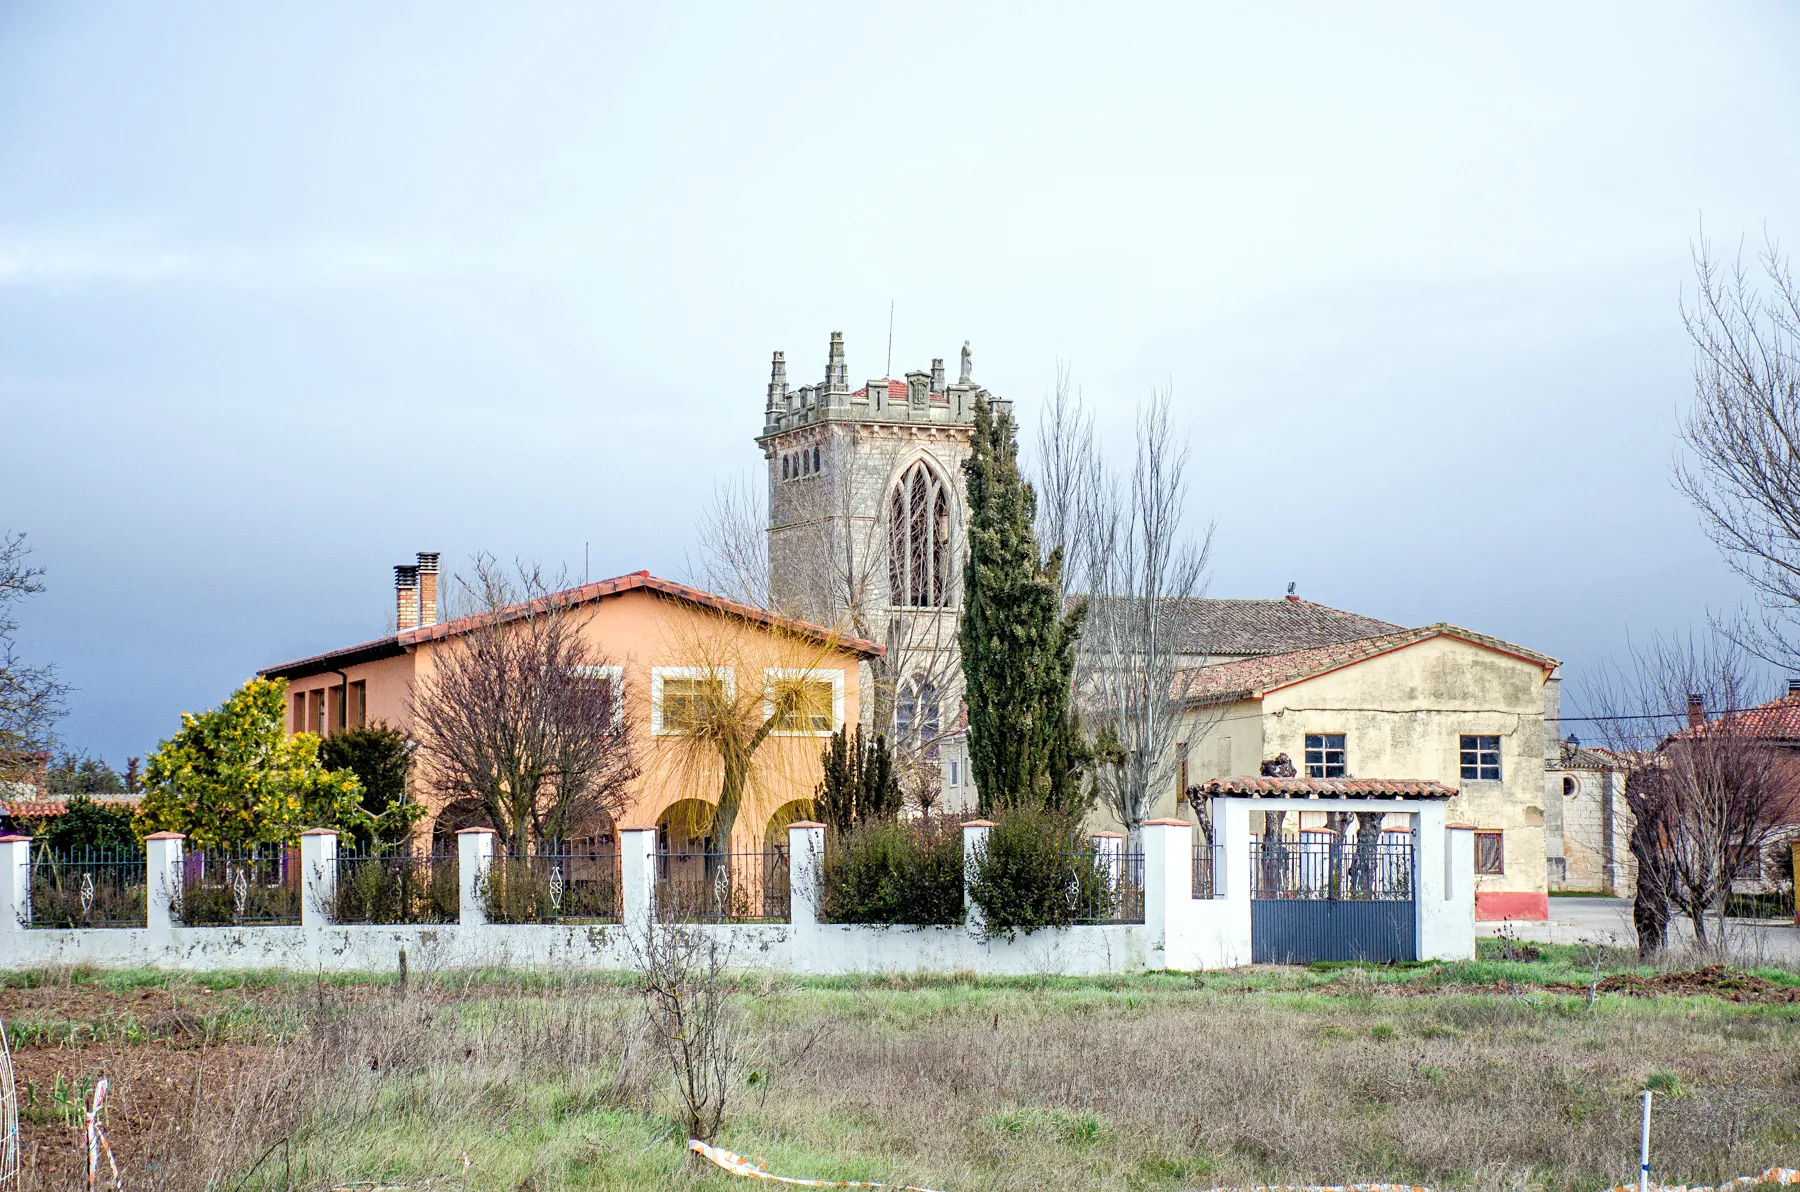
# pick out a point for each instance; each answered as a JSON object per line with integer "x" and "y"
{"x": 89, "y": 887}
{"x": 1331, "y": 869}
{"x": 553, "y": 885}
{"x": 1109, "y": 886}
{"x": 716, "y": 886}
{"x": 395, "y": 885}
{"x": 259, "y": 884}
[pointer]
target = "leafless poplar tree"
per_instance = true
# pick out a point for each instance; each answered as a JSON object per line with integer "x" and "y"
{"x": 1742, "y": 468}
{"x": 31, "y": 698}
{"x": 522, "y": 715}
{"x": 1129, "y": 555}
{"x": 1706, "y": 792}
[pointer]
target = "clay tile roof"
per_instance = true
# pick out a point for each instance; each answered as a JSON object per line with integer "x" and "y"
{"x": 1256, "y": 786}
{"x": 46, "y": 806}
{"x": 1251, "y": 678}
{"x": 1219, "y": 626}
{"x": 569, "y": 598}
{"x": 897, "y": 393}
{"x": 1777, "y": 720}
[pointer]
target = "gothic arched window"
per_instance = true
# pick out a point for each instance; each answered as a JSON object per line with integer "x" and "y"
{"x": 786, "y": 468}
{"x": 919, "y": 539}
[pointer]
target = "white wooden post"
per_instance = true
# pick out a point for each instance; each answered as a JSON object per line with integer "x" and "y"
{"x": 637, "y": 868}
{"x": 975, "y": 834}
{"x": 318, "y": 876}
{"x": 806, "y": 873}
{"x": 15, "y": 883}
{"x": 474, "y": 853}
{"x": 163, "y": 857}
{"x": 1169, "y": 894}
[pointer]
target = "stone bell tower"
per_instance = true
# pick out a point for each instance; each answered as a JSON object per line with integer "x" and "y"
{"x": 866, "y": 518}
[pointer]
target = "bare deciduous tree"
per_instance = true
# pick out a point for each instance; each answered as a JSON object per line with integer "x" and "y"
{"x": 31, "y": 698}
{"x": 686, "y": 989}
{"x": 1125, "y": 549}
{"x": 522, "y": 715}
{"x": 1706, "y": 791}
{"x": 1742, "y": 471}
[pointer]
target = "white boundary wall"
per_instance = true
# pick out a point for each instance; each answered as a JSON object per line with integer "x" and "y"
{"x": 1179, "y": 931}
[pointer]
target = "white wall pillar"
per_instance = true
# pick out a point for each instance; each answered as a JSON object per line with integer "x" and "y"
{"x": 1231, "y": 882}
{"x": 1455, "y": 930}
{"x": 164, "y": 853}
{"x": 15, "y": 883}
{"x": 1434, "y": 939}
{"x": 1169, "y": 895}
{"x": 318, "y": 876}
{"x": 975, "y": 834}
{"x": 637, "y": 869}
{"x": 474, "y": 853}
{"x": 806, "y": 874}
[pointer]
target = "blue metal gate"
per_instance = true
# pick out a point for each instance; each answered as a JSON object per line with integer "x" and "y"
{"x": 1328, "y": 899}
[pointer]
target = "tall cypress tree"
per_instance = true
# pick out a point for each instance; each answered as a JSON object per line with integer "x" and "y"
{"x": 1018, "y": 644}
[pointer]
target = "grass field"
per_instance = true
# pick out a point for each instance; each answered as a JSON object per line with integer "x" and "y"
{"x": 1497, "y": 1073}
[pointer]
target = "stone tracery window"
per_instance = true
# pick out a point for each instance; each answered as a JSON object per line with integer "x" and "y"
{"x": 919, "y": 539}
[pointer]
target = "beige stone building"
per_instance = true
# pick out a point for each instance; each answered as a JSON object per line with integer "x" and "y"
{"x": 1439, "y": 703}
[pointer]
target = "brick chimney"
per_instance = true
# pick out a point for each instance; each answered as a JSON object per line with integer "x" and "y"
{"x": 406, "y": 596}
{"x": 428, "y": 587}
{"x": 1696, "y": 710}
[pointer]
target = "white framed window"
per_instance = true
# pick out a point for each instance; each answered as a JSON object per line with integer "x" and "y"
{"x": 679, "y": 694}
{"x": 1480, "y": 758}
{"x": 821, "y": 710}
{"x": 955, "y": 773}
{"x": 1325, "y": 755}
{"x": 614, "y": 679}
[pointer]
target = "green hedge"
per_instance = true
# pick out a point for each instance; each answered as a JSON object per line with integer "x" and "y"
{"x": 900, "y": 873}
{"x": 1036, "y": 871}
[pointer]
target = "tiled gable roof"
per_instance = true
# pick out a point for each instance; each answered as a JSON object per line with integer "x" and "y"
{"x": 1208, "y": 625}
{"x": 1251, "y": 678}
{"x": 897, "y": 393}
{"x": 41, "y": 806}
{"x": 570, "y": 597}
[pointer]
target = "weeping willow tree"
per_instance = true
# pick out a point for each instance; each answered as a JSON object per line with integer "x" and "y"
{"x": 745, "y": 713}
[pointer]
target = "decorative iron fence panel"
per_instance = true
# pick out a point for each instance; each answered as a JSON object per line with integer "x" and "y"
{"x": 713, "y": 886}
{"x": 1303, "y": 930}
{"x": 1205, "y": 867}
{"x": 1327, "y": 869}
{"x": 556, "y": 886}
{"x": 222, "y": 889}
{"x": 1115, "y": 891}
{"x": 100, "y": 887}
{"x": 393, "y": 886}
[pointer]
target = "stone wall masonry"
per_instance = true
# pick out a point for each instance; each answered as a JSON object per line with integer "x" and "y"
{"x": 1179, "y": 931}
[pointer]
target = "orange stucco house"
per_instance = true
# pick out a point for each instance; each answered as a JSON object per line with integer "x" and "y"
{"x": 652, "y": 634}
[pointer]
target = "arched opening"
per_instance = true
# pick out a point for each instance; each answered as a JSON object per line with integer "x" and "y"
{"x": 815, "y": 458}
{"x": 919, "y": 539}
{"x": 775, "y": 837}
{"x": 453, "y": 818}
{"x": 786, "y": 468}
{"x": 1570, "y": 786}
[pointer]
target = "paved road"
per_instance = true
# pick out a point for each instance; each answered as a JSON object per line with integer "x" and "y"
{"x": 1608, "y": 921}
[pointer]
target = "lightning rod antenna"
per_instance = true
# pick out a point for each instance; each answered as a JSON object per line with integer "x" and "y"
{"x": 890, "y": 359}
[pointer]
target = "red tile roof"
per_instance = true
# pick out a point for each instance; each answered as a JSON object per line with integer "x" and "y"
{"x": 46, "y": 806}
{"x": 569, "y": 598}
{"x": 897, "y": 393}
{"x": 1253, "y": 678}
{"x": 1256, "y": 786}
{"x": 1777, "y": 720}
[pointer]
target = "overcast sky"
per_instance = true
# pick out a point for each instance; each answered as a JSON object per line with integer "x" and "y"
{"x": 288, "y": 293}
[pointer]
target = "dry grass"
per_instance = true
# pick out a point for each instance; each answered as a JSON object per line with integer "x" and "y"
{"x": 1152, "y": 1083}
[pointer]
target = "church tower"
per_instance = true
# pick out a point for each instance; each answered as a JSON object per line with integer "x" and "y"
{"x": 866, "y": 526}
